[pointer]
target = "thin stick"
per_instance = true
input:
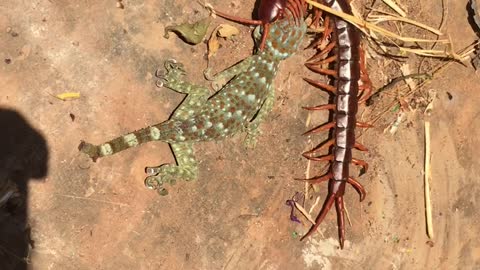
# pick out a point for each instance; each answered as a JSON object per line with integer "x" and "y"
{"x": 304, "y": 212}
{"x": 428, "y": 173}
{"x": 395, "y": 7}
{"x": 317, "y": 200}
{"x": 347, "y": 214}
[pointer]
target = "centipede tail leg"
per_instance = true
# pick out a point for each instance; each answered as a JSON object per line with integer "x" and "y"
{"x": 326, "y": 207}
{"x": 340, "y": 207}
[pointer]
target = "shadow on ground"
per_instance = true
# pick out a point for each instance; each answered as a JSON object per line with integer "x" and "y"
{"x": 23, "y": 156}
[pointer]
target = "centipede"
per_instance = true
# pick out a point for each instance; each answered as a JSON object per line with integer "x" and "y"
{"x": 342, "y": 59}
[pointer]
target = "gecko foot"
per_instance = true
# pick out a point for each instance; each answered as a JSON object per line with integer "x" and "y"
{"x": 251, "y": 138}
{"x": 173, "y": 71}
{"x": 89, "y": 149}
{"x": 166, "y": 173}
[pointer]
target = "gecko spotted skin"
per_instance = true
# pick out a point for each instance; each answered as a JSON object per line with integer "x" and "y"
{"x": 240, "y": 105}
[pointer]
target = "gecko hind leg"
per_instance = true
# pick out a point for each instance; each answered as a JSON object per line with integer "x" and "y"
{"x": 186, "y": 169}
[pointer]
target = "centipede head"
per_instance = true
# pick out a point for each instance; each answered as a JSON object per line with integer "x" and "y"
{"x": 271, "y": 10}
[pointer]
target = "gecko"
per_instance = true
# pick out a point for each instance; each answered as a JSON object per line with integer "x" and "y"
{"x": 239, "y": 105}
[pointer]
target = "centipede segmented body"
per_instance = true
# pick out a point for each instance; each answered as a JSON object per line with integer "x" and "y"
{"x": 344, "y": 53}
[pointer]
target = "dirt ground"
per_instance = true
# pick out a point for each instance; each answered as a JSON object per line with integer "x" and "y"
{"x": 85, "y": 215}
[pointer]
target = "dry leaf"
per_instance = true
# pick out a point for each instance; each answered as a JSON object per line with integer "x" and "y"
{"x": 69, "y": 95}
{"x": 213, "y": 44}
{"x": 190, "y": 33}
{"x": 222, "y": 31}
{"x": 227, "y": 31}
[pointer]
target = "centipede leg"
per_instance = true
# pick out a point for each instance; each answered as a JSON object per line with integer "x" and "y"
{"x": 321, "y": 146}
{"x": 328, "y": 60}
{"x": 320, "y": 128}
{"x": 367, "y": 83}
{"x": 358, "y": 187}
{"x": 328, "y": 30}
{"x": 360, "y": 162}
{"x": 364, "y": 125}
{"x": 323, "y": 52}
{"x": 326, "y": 207}
{"x": 340, "y": 207}
{"x": 317, "y": 15}
{"x": 321, "y": 107}
{"x": 321, "y": 85}
{"x": 320, "y": 158}
{"x": 323, "y": 71}
{"x": 360, "y": 146}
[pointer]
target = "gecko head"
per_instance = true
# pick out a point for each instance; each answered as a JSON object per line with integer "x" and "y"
{"x": 284, "y": 37}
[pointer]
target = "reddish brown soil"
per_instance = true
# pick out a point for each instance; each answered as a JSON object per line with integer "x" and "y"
{"x": 88, "y": 215}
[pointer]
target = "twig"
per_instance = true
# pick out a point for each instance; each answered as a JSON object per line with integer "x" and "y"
{"x": 395, "y": 81}
{"x": 89, "y": 199}
{"x": 364, "y": 26}
{"x": 395, "y": 7}
{"x": 384, "y": 18}
{"x": 347, "y": 214}
{"x": 304, "y": 212}
{"x": 317, "y": 200}
{"x": 428, "y": 172}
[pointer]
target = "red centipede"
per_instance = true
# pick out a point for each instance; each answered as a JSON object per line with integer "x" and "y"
{"x": 345, "y": 57}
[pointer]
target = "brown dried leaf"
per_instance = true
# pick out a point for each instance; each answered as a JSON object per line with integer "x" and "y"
{"x": 227, "y": 31}
{"x": 213, "y": 44}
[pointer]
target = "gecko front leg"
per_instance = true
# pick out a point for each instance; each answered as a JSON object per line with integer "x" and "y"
{"x": 252, "y": 127}
{"x": 221, "y": 78}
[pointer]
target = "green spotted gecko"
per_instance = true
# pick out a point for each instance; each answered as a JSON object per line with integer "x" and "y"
{"x": 240, "y": 105}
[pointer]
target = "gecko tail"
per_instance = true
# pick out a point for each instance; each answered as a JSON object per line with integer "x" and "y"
{"x": 124, "y": 142}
